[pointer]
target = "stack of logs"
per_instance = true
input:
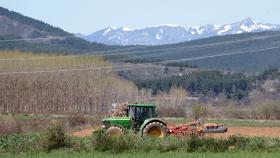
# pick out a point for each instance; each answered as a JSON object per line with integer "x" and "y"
{"x": 120, "y": 109}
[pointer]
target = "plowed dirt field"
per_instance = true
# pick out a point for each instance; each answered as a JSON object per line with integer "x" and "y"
{"x": 251, "y": 131}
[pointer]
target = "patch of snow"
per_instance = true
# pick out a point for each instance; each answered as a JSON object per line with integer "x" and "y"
{"x": 246, "y": 28}
{"x": 106, "y": 31}
{"x": 200, "y": 31}
{"x": 126, "y": 29}
{"x": 186, "y": 28}
{"x": 156, "y": 26}
{"x": 239, "y": 32}
{"x": 265, "y": 27}
{"x": 217, "y": 27}
{"x": 171, "y": 25}
{"x": 158, "y": 37}
{"x": 226, "y": 28}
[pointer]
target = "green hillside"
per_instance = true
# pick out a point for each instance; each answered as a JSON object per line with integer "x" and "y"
{"x": 17, "y": 26}
{"x": 245, "y": 45}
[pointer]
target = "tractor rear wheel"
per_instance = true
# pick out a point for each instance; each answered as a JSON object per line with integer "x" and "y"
{"x": 155, "y": 129}
{"x": 114, "y": 131}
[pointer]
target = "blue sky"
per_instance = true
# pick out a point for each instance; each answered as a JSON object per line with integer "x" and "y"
{"x": 87, "y": 16}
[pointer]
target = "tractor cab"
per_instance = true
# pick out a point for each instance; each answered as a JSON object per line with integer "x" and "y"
{"x": 140, "y": 112}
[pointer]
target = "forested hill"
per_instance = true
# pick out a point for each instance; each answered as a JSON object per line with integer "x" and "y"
{"x": 17, "y": 26}
{"x": 249, "y": 52}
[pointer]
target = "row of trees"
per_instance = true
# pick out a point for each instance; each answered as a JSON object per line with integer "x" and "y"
{"x": 265, "y": 109}
{"x": 84, "y": 91}
{"x": 233, "y": 85}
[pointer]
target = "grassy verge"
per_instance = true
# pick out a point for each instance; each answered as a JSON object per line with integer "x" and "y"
{"x": 32, "y": 123}
{"x": 27, "y": 117}
{"x": 153, "y": 154}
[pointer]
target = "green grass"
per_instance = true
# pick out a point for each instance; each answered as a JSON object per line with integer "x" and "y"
{"x": 179, "y": 154}
{"x": 27, "y": 117}
{"x": 234, "y": 122}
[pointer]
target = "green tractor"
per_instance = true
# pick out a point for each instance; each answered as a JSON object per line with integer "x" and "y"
{"x": 139, "y": 118}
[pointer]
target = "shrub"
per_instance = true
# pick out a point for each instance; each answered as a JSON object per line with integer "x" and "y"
{"x": 162, "y": 145}
{"x": 77, "y": 144}
{"x": 257, "y": 143}
{"x": 238, "y": 142}
{"x": 16, "y": 143}
{"x": 193, "y": 143}
{"x": 54, "y": 137}
{"x": 214, "y": 145}
{"x": 103, "y": 142}
{"x": 100, "y": 142}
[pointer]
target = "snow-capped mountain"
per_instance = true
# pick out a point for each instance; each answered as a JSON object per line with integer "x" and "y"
{"x": 168, "y": 34}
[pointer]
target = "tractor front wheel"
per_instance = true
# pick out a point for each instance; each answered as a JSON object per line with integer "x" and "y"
{"x": 114, "y": 131}
{"x": 155, "y": 129}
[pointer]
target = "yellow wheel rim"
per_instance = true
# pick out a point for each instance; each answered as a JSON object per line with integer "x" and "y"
{"x": 155, "y": 132}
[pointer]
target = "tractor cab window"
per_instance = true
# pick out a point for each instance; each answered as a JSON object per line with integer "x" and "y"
{"x": 143, "y": 113}
{"x": 140, "y": 113}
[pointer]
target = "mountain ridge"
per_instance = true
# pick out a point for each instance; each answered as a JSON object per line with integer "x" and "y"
{"x": 170, "y": 34}
{"x": 15, "y": 26}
